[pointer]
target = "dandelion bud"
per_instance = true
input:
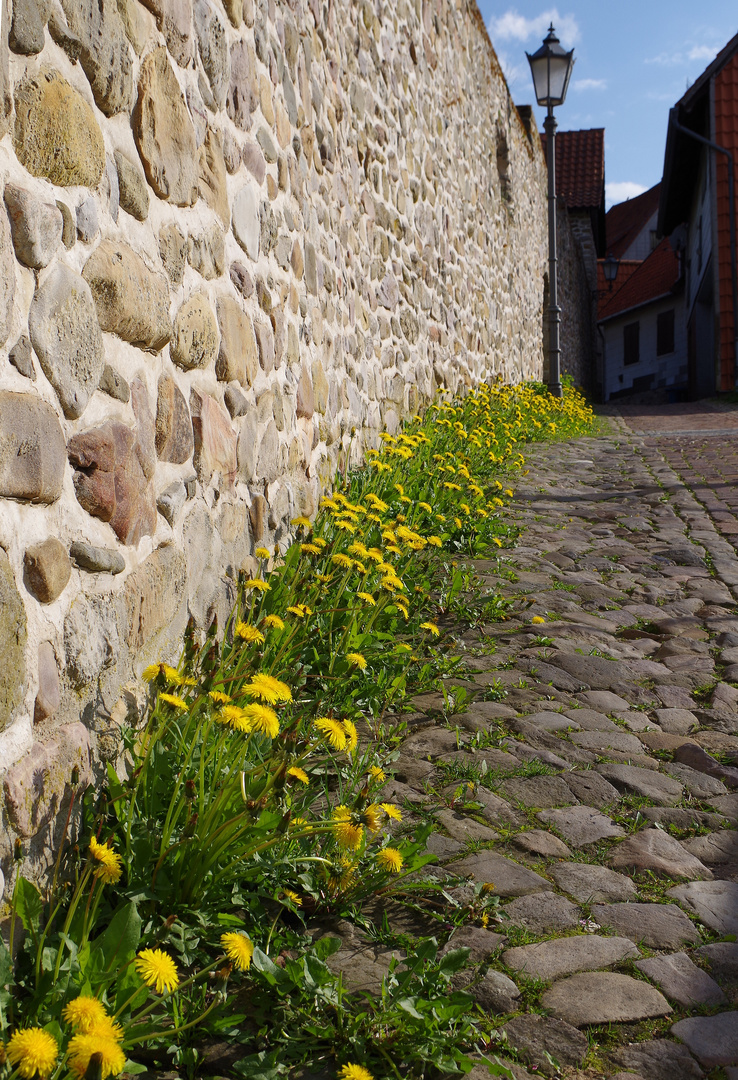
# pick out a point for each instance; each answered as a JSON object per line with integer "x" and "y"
{"x": 75, "y": 775}
{"x": 190, "y": 790}
{"x": 171, "y": 920}
{"x": 17, "y": 850}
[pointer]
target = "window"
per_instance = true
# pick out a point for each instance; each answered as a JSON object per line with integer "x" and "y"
{"x": 665, "y": 333}
{"x": 631, "y": 343}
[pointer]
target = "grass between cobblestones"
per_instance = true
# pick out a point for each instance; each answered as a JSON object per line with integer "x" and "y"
{"x": 182, "y": 924}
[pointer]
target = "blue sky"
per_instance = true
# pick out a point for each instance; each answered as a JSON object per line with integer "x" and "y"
{"x": 634, "y": 59}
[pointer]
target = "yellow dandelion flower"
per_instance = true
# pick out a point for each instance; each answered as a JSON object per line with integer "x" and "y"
{"x": 84, "y": 1013}
{"x": 357, "y": 660}
{"x": 348, "y": 832}
{"x": 431, "y": 627}
{"x": 537, "y": 619}
{"x": 249, "y": 633}
{"x": 263, "y": 553}
{"x": 342, "y": 560}
{"x": 435, "y": 541}
{"x": 354, "y": 1072}
{"x": 367, "y": 598}
{"x": 392, "y": 811}
{"x": 352, "y": 736}
{"x": 261, "y": 718}
{"x": 402, "y": 646}
{"x": 346, "y": 526}
{"x": 32, "y": 1051}
{"x": 375, "y": 555}
{"x": 358, "y": 549}
{"x": 299, "y": 774}
{"x": 258, "y": 584}
{"x": 274, "y": 622}
{"x": 171, "y": 675}
{"x": 110, "y": 864}
{"x": 267, "y": 688}
{"x": 375, "y": 518}
{"x": 157, "y": 969}
{"x": 333, "y": 731}
{"x": 302, "y": 522}
{"x": 219, "y": 697}
{"x": 238, "y": 948}
{"x": 110, "y": 1057}
{"x": 377, "y": 774}
{"x": 233, "y": 716}
{"x": 390, "y": 859}
{"x": 370, "y": 817}
{"x": 509, "y": 492}
{"x": 293, "y": 897}
{"x": 302, "y": 610}
{"x": 175, "y": 701}
{"x": 309, "y": 549}
{"x": 319, "y": 542}
{"x": 341, "y": 875}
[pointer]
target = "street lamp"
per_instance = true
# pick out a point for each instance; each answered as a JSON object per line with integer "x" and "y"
{"x": 551, "y": 67}
{"x": 610, "y": 269}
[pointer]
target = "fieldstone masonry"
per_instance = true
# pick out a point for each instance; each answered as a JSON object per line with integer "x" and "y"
{"x": 234, "y": 241}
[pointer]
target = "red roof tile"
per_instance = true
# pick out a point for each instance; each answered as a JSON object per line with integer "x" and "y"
{"x": 580, "y": 167}
{"x": 655, "y": 276}
{"x": 626, "y": 219}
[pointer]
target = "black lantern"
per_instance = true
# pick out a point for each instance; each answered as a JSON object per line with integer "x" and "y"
{"x": 551, "y": 68}
{"x": 610, "y": 268}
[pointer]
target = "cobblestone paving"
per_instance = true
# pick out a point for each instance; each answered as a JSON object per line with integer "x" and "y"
{"x": 603, "y": 737}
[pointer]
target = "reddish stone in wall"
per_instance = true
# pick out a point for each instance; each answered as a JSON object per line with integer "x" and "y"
{"x": 110, "y": 479}
{"x": 215, "y": 439}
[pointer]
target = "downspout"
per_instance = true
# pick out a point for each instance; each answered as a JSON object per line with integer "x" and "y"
{"x": 731, "y": 199}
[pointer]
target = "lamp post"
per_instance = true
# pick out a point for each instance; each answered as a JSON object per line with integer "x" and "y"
{"x": 551, "y": 67}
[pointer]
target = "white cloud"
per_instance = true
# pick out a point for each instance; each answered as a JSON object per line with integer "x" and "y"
{"x": 622, "y": 190}
{"x": 702, "y": 52}
{"x": 515, "y": 27}
{"x": 698, "y": 53}
{"x": 589, "y": 84}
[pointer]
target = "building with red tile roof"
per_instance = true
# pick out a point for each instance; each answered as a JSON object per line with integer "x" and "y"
{"x": 645, "y": 281}
{"x": 641, "y": 320}
{"x": 631, "y": 226}
{"x": 580, "y": 193}
{"x": 580, "y": 176}
{"x": 695, "y": 210}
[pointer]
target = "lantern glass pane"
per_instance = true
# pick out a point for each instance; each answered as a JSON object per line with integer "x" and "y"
{"x": 539, "y": 70}
{"x": 559, "y": 68}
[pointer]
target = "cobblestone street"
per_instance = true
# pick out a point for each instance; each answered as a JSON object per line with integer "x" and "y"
{"x": 607, "y": 772}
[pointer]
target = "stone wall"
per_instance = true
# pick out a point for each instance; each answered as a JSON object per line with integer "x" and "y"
{"x": 577, "y": 299}
{"x": 235, "y": 242}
